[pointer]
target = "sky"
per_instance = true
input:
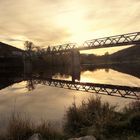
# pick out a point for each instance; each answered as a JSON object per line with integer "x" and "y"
{"x": 52, "y": 22}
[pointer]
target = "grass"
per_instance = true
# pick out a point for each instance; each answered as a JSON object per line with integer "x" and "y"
{"x": 93, "y": 117}
{"x": 102, "y": 120}
{"x": 20, "y": 127}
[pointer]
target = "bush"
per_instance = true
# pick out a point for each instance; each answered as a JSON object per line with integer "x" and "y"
{"x": 134, "y": 123}
{"x": 91, "y": 115}
{"x": 102, "y": 120}
{"x": 133, "y": 107}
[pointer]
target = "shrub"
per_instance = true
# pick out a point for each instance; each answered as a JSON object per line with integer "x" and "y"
{"x": 128, "y": 125}
{"x": 132, "y": 107}
{"x": 92, "y": 114}
{"x": 134, "y": 123}
{"x": 102, "y": 120}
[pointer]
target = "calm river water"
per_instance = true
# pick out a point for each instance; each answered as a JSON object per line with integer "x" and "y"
{"x": 51, "y": 103}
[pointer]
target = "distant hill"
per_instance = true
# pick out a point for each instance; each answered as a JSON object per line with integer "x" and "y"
{"x": 8, "y": 50}
{"x": 128, "y": 54}
{"x": 10, "y": 57}
{"x": 125, "y": 61}
{"x": 131, "y": 54}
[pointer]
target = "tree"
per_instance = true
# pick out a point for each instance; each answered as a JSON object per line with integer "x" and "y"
{"x": 29, "y": 45}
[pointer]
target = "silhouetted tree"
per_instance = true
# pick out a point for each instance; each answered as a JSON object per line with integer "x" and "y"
{"x": 29, "y": 45}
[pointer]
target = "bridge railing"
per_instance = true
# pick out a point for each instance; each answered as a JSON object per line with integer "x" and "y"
{"x": 118, "y": 40}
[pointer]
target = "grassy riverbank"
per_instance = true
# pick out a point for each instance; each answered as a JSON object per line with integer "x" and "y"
{"x": 93, "y": 117}
{"x": 103, "y": 120}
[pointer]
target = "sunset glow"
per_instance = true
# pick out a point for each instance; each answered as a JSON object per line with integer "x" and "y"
{"x": 51, "y": 22}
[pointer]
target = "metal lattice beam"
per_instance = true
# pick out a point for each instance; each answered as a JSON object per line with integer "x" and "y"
{"x": 113, "y": 90}
{"x": 119, "y": 40}
{"x": 112, "y": 41}
{"x": 62, "y": 48}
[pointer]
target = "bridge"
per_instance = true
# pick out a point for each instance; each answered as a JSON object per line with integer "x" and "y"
{"x": 54, "y": 53}
{"x": 106, "y": 42}
{"x": 103, "y": 89}
{"x": 106, "y": 89}
{"x": 96, "y": 88}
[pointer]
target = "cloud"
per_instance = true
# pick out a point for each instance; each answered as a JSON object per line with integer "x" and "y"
{"x": 34, "y": 22}
{"x": 114, "y": 14}
{"x": 57, "y": 21}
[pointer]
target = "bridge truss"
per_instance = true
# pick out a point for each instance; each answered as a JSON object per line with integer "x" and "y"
{"x": 112, "y": 41}
{"x": 118, "y": 40}
{"x": 112, "y": 90}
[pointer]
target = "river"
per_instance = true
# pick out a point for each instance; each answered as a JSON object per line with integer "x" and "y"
{"x": 50, "y": 103}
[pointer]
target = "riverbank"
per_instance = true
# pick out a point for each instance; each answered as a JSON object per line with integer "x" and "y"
{"x": 93, "y": 117}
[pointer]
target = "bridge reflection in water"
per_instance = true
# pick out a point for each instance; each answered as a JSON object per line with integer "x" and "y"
{"x": 114, "y": 90}
{"x": 70, "y": 80}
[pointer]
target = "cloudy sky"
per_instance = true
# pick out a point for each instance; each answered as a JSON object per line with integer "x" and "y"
{"x": 51, "y": 22}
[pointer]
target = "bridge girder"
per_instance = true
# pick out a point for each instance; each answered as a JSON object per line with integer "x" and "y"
{"x": 112, "y": 41}
{"x": 112, "y": 90}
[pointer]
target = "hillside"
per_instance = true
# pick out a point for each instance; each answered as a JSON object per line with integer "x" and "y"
{"x": 128, "y": 54}
{"x": 8, "y": 50}
{"x": 131, "y": 54}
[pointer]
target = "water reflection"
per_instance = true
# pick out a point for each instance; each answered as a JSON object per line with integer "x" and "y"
{"x": 29, "y": 94}
{"x": 8, "y": 78}
{"x": 84, "y": 74}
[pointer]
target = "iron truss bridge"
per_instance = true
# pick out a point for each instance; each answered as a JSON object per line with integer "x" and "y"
{"x": 113, "y": 90}
{"x": 112, "y": 41}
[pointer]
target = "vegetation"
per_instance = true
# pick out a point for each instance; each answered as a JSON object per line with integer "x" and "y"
{"x": 42, "y": 57}
{"x": 20, "y": 127}
{"x": 93, "y": 117}
{"x": 103, "y": 120}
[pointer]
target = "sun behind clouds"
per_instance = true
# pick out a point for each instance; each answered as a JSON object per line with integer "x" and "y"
{"x": 62, "y": 21}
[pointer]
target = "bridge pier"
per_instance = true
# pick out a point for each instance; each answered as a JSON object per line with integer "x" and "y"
{"x": 75, "y": 58}
{"x": 75, "y": 65}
